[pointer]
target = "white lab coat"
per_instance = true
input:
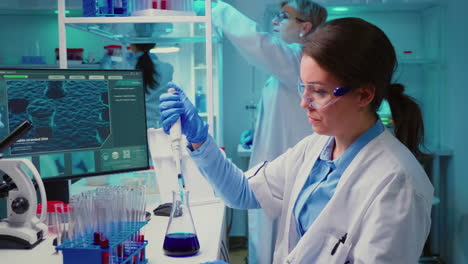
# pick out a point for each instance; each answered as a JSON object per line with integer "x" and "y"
{"x": 382, "y": 201}
{"x": 280, "y": 122}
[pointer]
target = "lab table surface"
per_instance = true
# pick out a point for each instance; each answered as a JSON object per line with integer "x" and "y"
{"x": 209, "y": 224}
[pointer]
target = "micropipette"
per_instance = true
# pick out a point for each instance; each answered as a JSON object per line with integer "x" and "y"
{"x": 176, "y": 134}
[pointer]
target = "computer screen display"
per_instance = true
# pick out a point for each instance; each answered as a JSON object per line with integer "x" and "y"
{"x": 85, "y": 122}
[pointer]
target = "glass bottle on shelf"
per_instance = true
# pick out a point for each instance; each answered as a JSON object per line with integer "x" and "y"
{"x": 200, "y": 99}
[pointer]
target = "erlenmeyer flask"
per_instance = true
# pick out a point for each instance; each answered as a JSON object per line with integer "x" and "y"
{"x": 181, "y": 238}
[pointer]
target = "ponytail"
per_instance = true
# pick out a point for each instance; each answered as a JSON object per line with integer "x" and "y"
{"x": 372, "y": 62}
{"x": 407, "y": 118}
{"x": 145, "y": 63}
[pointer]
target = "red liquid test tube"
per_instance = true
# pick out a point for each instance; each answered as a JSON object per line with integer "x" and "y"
{"x": 105, "y": 254}
{"x": 141, "y": 239}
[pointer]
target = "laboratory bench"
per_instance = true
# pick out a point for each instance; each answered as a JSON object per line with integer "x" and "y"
{"x": 209, "y": 223}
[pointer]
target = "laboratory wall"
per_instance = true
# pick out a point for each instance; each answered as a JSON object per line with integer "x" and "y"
{"x": 238, "y": 93}
{"x": 237, "y": 89}
{"x": 456, "y": 226}
{"x": 242, "y": 82}
{"x": 242, "y": 86}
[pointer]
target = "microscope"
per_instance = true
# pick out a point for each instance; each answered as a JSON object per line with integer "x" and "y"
{"x": 21, "y": 229}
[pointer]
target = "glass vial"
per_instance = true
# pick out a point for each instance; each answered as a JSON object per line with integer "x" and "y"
{"x": 181, "y": 238}
{"x": 200, "y": 99}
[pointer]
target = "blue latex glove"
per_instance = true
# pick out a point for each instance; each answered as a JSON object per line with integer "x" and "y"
{"x": 246, "y": 138}
{"x": 175, "y": 105}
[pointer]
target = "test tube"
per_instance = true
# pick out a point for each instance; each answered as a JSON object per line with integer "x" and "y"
{"x": 141, "y": 239}
{"x": 189, "y": 5}
{"x": 78, "y": 220}
{"x": 118, "y": 7}
{"x": 59, "y": 222}
{"x": 105, "y": 254}
{"x": 103, "y": 7}
{"x": 69, "y": 227}
{"x": 159, "y": 4}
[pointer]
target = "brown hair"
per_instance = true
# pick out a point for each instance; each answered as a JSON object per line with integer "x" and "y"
{"x": 358, "y": 53}
{"x": 145, "y": 63}
{"x": 309, "y": 11}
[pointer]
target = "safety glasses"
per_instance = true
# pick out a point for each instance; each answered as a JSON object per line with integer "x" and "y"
{"x": 318, "y": 96}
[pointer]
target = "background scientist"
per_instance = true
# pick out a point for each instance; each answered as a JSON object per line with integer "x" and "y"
{"x": 280, "y": 122}
{"x": 156, "y": 75}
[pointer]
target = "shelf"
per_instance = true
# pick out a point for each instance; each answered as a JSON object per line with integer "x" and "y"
{"x": 31, "y": 12}
{"x": 150, "y": 25}
{"x": 49, "y": 66}
{"x": 165, "y": 33}
{"x": 341, "y": 7}
{"x": 156, "y": 26}
{"x": 163, "y": 12}
{"x": 135, "y": 19}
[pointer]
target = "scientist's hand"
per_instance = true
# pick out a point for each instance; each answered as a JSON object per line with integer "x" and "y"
{"x": 175, "y": 105}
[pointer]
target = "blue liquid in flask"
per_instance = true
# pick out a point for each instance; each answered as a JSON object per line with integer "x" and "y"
{"x": 181, "y": 244}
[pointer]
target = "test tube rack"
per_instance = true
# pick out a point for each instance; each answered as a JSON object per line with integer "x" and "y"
{"x": 79, "y": 251}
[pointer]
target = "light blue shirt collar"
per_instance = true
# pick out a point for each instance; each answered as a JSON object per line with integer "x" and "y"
{"x": 324, "y": 177}
{"x": 345, "y": 159}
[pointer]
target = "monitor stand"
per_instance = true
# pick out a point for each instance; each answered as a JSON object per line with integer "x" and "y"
{"x": 58, "y": 190}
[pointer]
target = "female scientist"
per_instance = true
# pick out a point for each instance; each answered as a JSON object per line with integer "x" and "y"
{"x": 351, "y": 192}
{"x": 156, "y": 74}
{"x": 280, "y": 122}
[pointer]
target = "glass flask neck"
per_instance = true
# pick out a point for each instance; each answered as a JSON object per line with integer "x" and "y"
{"x": 181, "y": 196}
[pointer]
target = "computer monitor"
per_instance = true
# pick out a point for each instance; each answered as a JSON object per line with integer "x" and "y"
{"x": 85, "y": 122}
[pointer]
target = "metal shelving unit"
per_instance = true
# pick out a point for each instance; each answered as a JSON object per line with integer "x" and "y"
{"x": 363, "y": 6}
{"x": 49, "y": 66}
{"x": 120, "y": 29}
